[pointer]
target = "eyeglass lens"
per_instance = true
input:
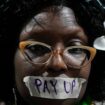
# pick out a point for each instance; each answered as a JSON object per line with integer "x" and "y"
{"x": 39, "y": 53}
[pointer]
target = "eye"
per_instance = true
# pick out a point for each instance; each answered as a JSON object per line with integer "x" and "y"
{"x": 76, "y": 51}
{"x": 36, "y": 50}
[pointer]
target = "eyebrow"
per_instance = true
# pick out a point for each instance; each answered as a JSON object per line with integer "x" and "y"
{"x": 39, "y": 36}
{"x": 45, "y": 35}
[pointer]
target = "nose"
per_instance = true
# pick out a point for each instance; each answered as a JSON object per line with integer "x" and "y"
{"x": 56, "y": 63}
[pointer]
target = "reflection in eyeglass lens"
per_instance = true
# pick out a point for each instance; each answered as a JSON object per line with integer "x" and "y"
{"x": 39, "y": 53}
{"x": 76, "y": 56}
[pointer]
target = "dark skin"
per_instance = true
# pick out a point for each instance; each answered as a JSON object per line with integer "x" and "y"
{"x": 58, "y": 30}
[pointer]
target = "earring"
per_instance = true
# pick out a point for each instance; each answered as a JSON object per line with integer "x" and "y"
{"x": 15, "y": 98}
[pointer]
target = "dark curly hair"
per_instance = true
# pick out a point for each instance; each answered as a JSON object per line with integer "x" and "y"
{"x": 14, "y": 14}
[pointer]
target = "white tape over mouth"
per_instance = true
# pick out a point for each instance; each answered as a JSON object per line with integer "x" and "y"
{"x": 54, "y": 87}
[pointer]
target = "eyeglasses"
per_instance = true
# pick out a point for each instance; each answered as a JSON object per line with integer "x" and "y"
{"x": 40, "y": 53}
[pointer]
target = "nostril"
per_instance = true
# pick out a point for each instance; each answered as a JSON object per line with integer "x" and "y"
{"x": 55, "y": 70}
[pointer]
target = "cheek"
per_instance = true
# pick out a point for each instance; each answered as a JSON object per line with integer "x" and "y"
{"x": 20, "y": 73}
{"x": 20, "y": 65}
{"x": 85, "y": 71}
{"x": 24, "y": 68}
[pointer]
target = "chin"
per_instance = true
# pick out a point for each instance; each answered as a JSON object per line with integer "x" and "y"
{"x": 44, "y": 101}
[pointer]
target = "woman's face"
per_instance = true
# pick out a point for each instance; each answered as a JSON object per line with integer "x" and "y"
{"x": 59, "y": 30}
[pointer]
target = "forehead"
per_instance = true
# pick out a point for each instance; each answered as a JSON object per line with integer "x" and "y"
{"x": 59, "y": 22}
{"x": 62, "y": 16}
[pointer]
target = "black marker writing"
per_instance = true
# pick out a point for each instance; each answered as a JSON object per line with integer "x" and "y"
{"x": 53, "y": 83}
{"x": 45, "y": 88}
{"x": 73, "y": 85}
{"x": 38, "y": 83}
{"x": 69, "y": 86}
